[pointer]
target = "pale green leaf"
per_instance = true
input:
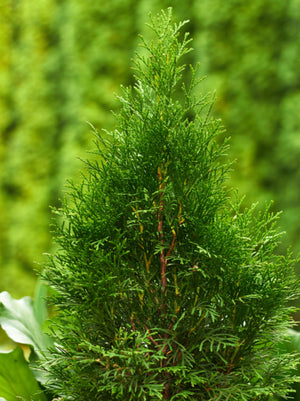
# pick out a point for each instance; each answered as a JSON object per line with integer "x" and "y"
{"x": 39, "y": 304}
{"x": 18, "y": 320}
{"x": 17, "y": 382}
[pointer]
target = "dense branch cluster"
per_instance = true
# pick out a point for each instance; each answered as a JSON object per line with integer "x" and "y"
{"x": 165, "y": 288}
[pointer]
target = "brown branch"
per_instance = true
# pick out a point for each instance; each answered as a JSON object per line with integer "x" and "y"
{"x": 163, "y": 261}
{"x": 166, "y": 393}
{"x": 172, "y": 245}
{"x": 133, "y": 327}
{"x": 132, "y": 323}
{"x": 150, "y": 336}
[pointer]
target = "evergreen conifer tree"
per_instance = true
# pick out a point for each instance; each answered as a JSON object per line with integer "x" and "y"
{"x": 166, "y": 289}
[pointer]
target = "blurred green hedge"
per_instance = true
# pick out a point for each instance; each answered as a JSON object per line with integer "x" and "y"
{"x": 61, "y": 62}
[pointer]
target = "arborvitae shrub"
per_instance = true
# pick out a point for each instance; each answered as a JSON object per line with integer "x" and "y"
{"x": 165, "y": 288}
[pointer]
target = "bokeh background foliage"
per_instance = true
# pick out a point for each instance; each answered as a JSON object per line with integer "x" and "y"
{"x": 61, "y": 63}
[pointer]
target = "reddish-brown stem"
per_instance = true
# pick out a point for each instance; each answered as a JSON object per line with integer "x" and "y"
{"x": 163, "y": 256}
{"x": 163, "y": 261}
{"x": 166, "y": 351}
{"x": 150, "y": 336}
{"x": 166, "y": 393}
{"x": 172, "y": 245}
{"x": 133, "y": 327}
{"x": 163, "y": 271}
{"x": 229, "y": 369}
{"x": 132, "y": 323}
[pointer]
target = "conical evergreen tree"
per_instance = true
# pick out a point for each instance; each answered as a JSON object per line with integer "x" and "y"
{"x": 165, "y": 289}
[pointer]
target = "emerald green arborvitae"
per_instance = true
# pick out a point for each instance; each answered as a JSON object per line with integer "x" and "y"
{"x": 165, "y": 288}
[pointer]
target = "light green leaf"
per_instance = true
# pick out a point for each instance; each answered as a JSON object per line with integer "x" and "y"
{"x": 40, "y": 307}
{"x": 16, "y": 379}
{"x": 294, "y": 337}
{"x": 19, "y": 322}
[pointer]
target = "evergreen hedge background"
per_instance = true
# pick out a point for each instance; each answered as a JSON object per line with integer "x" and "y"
{"x": 61, "y": 63}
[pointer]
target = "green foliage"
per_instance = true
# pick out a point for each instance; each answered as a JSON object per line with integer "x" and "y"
{"x": 165, "y": 289}
{"x": 62, "y": 62}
